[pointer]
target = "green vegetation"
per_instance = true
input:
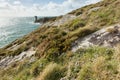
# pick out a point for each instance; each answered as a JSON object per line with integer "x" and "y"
{"x": 75, "y": 24}
{"x": 92, "y": 63}
{"x": 56, "y": 38}
{"x": 53, "y": 55}
{"x": 52, "y": 72}
{"x": 8, "y": 52}
{"x": 23, "y": 70}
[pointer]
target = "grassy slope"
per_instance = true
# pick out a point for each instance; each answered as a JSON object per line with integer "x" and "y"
{"x": 53, "y": 46}
{"x": 59, "y": 38}
{"x": 95, "y": 63}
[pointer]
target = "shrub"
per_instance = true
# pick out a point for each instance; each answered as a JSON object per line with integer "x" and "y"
{"x": 22, "y": 48}
{"x": 53, "y": 53}
{"x": 38, "y": 66}
{"x": 85, "y": 72}
{"x": 4, "y": 52}
{"x": 76, "y": 23}
{"x": 117, "y": 52}
{"x": 52, "y": 72}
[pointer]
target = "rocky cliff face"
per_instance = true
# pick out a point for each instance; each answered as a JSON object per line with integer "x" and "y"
{"x": 73, "y": 47}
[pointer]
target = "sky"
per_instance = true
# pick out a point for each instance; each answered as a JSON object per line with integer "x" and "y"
{"x": 18, "y": 8}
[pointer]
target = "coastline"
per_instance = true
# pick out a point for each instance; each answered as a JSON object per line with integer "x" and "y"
{"x": 13, "y": 28}
{"x": 83, "y": 44}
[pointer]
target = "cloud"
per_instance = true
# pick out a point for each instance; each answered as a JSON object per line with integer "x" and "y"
{"x": 59, "y": 9}
{"x": 17, "y": 2}
{"x": 16, "y": 8}
{"x": 4, "y": 5}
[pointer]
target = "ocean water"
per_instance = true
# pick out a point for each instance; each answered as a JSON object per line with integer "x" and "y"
{"x": 14, "y": 28}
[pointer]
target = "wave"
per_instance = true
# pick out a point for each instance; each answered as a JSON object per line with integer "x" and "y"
{"x": 13, "y": 28}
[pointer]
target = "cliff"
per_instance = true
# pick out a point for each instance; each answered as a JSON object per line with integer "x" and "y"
{"x": 80, "y": 45}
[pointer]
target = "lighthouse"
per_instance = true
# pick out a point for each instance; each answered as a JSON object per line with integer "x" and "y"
{"x": 36, "y": 18}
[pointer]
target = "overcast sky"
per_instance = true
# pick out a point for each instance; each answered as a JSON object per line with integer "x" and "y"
{"x": 40, "y": 7}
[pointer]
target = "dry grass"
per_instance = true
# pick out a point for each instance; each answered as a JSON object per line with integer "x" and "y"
{"x": 52, "y": 72}
{"x": 100, "y": 65}
{"x": 47, "y": 38}
{"x": 117, "y": 52}
{"x": 98, "y": 68}
{"x": 111, "y": 30}
{"x": 54, "y": 43}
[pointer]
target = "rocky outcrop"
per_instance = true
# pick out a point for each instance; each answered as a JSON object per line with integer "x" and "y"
{"x": 9, "y": 60}
{"x": 55, "y": 21}
{"x": 93, "y": 9}
{"x": 107, "y": 37}
{"x": 63, "y": 19}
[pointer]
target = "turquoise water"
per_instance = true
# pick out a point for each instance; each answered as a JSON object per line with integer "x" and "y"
{"x": 14, "y": 28}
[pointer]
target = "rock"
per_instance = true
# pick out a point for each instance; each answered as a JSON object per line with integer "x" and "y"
{"x": 32, "y": 60}
{"x": 117, "y": 38}
{"x": 5, "y": 62}
{"x": 100, "y": 38}
{"x": 111, "y": 40}
{"x": 63, "y": 19}
{"x": 93, "y": 9}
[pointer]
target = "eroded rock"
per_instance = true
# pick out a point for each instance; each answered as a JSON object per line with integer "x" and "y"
{"x": 107, "y": 37}
{"x": 7, "y": 61}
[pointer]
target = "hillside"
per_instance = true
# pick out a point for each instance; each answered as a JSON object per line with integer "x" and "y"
{"x": 81, "y": 45}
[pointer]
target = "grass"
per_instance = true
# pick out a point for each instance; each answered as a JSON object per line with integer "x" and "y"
{"x": 75, "y": 24}
{"x": 23, "y": 70}
{"x": 52, "y": 72}
{"x": 53, "y": 49}
{"x": 95, "y": 63}
{"x": 8, "y": 52}
{"x": 60, "y": 38}
{"x": 112, "y": 30}
{"x": 4, "y": 52}
{"x": 92, "y": 63}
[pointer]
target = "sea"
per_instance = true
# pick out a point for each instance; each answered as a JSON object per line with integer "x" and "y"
{"x": 12, "y": 28}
